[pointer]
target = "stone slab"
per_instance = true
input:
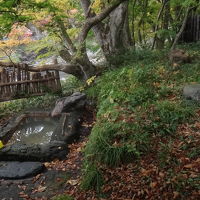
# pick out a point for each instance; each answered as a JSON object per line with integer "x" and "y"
{"x": 18, "y": 170}
{"x": 192, "y": 92}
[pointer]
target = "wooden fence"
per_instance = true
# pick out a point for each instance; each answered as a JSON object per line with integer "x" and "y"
{"x": 19, "y": 83}
{"x": 191, "y": 32}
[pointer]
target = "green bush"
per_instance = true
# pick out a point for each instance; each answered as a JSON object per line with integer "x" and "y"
{"x": 110, "y": 145}
{"x": 70, "y": 85}
{"x": 16, "y": 106}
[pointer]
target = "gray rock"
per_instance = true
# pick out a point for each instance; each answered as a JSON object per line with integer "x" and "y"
{"x": 71, "y": 103}
{"x": 17, "y": 170}
{"x": 34, "y": 152}
{"x": 192, "y": 92}
{"x": 69, "y": 130}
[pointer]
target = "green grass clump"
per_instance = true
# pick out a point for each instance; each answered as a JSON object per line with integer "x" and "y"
{"x": 94, "y": 178}
{"x": 63, "y": 197}
{"x": 166, "y": 116}
{"x": 137, "y": 102}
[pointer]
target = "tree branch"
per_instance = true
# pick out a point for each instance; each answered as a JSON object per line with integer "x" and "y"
{"x": 9, "y": 56}
{"x": 90, "y": 22}
{"x": 157, "y": 21}
{"x": 8, "y": 11}
{"x": 66, "y": 37}
{"x": 181, "y": 29}
{"x": 99, "y": 29}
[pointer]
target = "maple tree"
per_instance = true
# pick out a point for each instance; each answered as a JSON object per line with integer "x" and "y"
{"x": 74, "y": 53}
{"x": 116, "y": 24}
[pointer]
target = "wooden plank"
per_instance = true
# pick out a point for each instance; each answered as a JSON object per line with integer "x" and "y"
{"x": 3, "y": 80}
{"x": 28, "y": 81}
{"x": 8, "y": 81}
{"x": 18, "y": 80}
{"x": 18, "y": 83}
{"x": 26, "y": 78}
{"x": 58, "y": 88}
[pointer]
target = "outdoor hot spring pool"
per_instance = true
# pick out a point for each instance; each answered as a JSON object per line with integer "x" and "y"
{"x": 35, "y": 131}
{"x": 37, "y": 136}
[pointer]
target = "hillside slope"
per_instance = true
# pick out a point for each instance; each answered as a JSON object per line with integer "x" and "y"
{"x": 145, "y": 143}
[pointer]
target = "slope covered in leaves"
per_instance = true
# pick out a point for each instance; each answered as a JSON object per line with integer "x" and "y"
{"x": 145, "y": 143}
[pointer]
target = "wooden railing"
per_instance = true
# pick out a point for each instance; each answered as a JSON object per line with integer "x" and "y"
{"x": 191, "y": 32}
{"x": 18, "y": 83}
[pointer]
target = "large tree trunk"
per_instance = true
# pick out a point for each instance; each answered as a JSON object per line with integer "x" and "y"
{"x": 112, "y": 41}
{"x": 118, "y": 36}
{"x": 114, "y": 34}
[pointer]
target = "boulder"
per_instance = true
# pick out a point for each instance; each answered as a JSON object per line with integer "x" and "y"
{"x": 18, "y": 170}
{"x": 33, "y": 152}
{"x": 192, "y": 92}
{"x": 74, "y": 102}
{"x": 179, "y": 56}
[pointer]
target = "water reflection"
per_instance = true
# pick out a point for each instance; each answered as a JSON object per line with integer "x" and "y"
{"x": 35, "y": 131}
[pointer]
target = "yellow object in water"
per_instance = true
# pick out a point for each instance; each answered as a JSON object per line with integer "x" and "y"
{"x": 1, "y": 144}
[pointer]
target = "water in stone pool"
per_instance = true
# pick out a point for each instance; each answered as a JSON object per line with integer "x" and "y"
{"x": 35, "y": 131}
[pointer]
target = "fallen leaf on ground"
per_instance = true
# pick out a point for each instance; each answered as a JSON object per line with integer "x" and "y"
{"x": 73, "y": 182}
{"x": 39, "y": 189}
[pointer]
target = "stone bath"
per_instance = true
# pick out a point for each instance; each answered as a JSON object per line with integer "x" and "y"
{"x": 35, "y": 130}
{"x": 36, "y": 136}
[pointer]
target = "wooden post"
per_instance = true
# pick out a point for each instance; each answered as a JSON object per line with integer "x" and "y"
{"x": 58, "y": 84}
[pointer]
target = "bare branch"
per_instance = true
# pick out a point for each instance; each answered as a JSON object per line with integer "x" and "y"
{"x": 9, "y": 56}
{"x": 181, "y": 29}
{"x": 86, "y": 5}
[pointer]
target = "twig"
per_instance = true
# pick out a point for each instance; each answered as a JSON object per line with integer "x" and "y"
{"x": 9, "y": 56}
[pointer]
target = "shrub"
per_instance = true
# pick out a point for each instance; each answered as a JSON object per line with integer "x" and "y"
{"x": 15, "y": 106}
{"x": 70, "y": 85}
